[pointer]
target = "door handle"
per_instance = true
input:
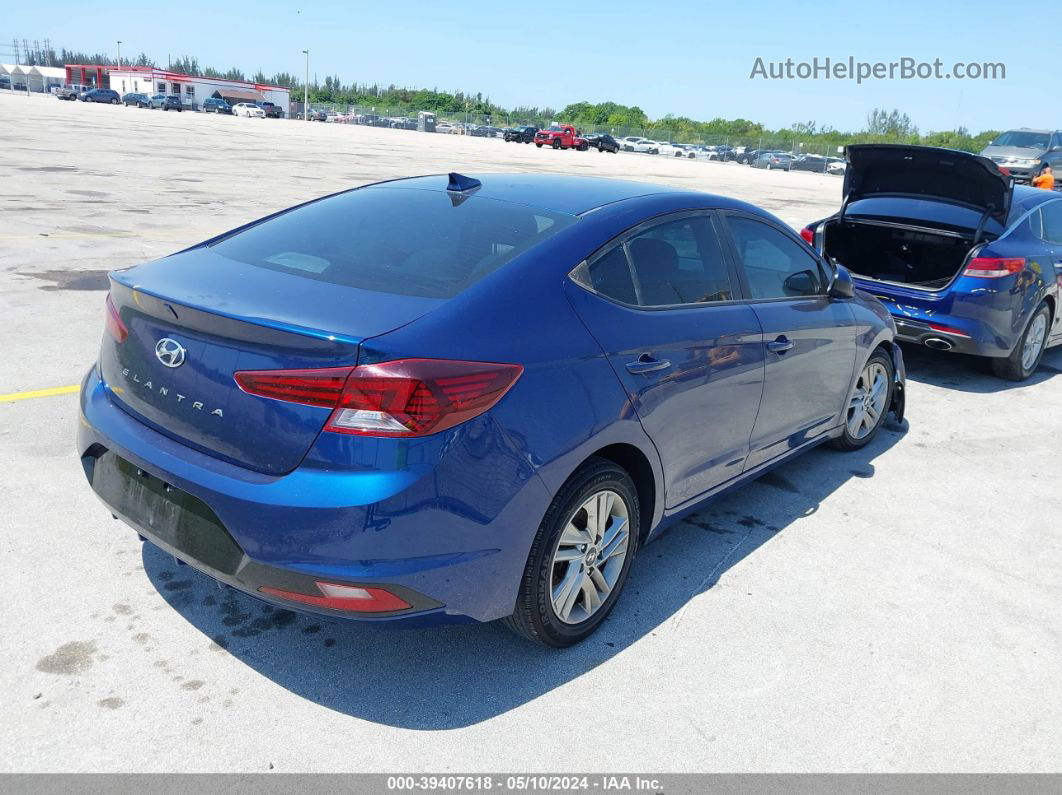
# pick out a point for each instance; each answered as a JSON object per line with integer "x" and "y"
{"x": 781, "y": 344}
{"x": 647, "y": 364}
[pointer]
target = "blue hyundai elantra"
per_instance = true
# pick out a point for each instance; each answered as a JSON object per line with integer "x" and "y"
{"x": 450, "y": 399}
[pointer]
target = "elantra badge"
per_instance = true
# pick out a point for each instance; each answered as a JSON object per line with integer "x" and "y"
{"x": 170, "y": 352}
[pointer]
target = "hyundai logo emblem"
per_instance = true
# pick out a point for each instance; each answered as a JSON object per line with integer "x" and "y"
{"x": 170, "y": 352}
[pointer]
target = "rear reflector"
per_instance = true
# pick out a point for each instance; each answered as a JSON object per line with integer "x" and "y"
{"x": 343, "y": 597}
{"x": 809, "y": 235}
{"x": 994, "y": 267}
{"x": 948, "y": 330}
{"x": 405, "y": 397}
{"x": 114, "y": 322}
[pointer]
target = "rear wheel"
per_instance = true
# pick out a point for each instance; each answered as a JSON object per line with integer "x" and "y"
{"x": 556, "y": 143}
{"x": 580, "y": 558}
{"x": 539, "y": 145}
{"x": 1025, "y": 357}
{"x": 868, "y": 403}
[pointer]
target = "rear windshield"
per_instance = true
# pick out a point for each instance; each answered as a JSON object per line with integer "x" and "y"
{"x": 395, "y": 240}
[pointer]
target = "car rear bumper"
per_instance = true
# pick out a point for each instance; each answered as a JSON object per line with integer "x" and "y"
{"x": 450, "y": 540}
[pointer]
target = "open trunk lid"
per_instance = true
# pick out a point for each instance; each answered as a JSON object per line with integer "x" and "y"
{"x": 195, "y": 318}
{"x": 930, "y": 173}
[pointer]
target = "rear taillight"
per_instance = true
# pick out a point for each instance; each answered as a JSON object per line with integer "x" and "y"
{"x": 994, "y": 267}
{"x": 406, "y": 397}
{"x": 808, "y": 233}
{"x": 343, "y": 597}
{"x": 114, "y": 322}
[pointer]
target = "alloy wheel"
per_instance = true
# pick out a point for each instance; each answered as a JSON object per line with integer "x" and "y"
{"x": 589, "y": 557}
{"x": 867, "y": 404}
{"x": 1034, "y": 341}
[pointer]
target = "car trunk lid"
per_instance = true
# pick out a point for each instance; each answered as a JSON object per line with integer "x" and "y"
{"x": 927, "y": 172}
{"x": 195, "y": 319}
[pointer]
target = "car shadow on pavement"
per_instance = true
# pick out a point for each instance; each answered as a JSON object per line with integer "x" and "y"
{"x": 971, "y": 373}
{"x": 458, "y": 676}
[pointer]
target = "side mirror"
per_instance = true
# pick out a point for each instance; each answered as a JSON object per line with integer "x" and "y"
{"x": 842, "y": 285}
{"x": 801, "y": 283}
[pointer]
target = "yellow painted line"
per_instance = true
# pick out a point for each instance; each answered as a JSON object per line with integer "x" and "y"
{"x": 36, "y": 393}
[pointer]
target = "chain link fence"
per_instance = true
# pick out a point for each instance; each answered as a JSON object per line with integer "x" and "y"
{"x": 816, "y": 156}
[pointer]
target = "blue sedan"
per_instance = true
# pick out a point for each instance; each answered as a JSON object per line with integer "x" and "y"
{"x": 964, "y": 260}
{"x": 452, "y": 399}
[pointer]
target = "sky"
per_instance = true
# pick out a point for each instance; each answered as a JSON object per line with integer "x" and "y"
{"x": 688, "y": 59}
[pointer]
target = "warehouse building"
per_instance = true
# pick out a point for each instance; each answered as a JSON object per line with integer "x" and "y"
{"x": 30, "y": 78}
{"x": 191, "y": 89}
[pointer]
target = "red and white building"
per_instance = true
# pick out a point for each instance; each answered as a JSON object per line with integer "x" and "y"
{"x": 192, "y": 90}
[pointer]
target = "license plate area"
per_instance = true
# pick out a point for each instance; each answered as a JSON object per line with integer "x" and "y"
{"x": 166, "y": 513}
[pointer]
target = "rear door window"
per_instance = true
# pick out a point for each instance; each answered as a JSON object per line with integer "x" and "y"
{"x": 403, "y": 241}
{"x": 674, "y": 263}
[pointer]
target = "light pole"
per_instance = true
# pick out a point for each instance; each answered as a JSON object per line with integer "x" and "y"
{"x": 120, "y": 57}
{"x": 306, "y": 89}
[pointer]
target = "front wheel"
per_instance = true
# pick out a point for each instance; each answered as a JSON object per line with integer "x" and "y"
{"x": 868, "y": 403}
{"x": 580, "y": 557}
{"x": 1025, "y": 357}
{"x": 539, "y": 145}
{"x": 556, "y": 144}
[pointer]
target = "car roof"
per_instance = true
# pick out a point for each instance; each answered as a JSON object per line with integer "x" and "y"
{"x": 556, "y": 192}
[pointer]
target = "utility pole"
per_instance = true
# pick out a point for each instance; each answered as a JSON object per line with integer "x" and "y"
{"x": 119, "y": 56}
{"x": 306, "y": 89}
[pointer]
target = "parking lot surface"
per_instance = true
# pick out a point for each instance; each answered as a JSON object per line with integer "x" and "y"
{"x": 893, "y": 609}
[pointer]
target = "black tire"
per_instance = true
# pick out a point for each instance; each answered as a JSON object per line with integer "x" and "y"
{"x": 115, "y": 101}
{"x": 539, "y": 145}
{"x": 846, "y": 441}
{"x": 583, "y": 147}
{"x": 1011, "y": 367}
{"x": 534, "y": 617}
{"x": 556, "y": 143}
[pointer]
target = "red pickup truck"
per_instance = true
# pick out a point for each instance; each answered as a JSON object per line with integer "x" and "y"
{"x": 563, "y": 137}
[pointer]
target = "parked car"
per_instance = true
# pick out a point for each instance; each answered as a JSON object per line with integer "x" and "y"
{"x": 137, "y": 99}
{"x": 671, "y": 149}
{"x": 748, "y": 157}
{"x": 69, "y": 93}
{"x": 166, "y": 102}
{"x": 271, "y": 110}
{"x": 216, "y": 105}
{"x": 773, "y": 160}
{"x": 461, "y": 421}
{"x": 646, "y": 146}
{"x": 106, "y": 95}
{"x": 964, "y": 260}
{"x": 564, "y": 136}
{"x": 816, "y": 163}
{"x": 602, "y": 142}
{"x": 250, "y": 110}
{"x": 627, "y": 143}
{"x": 521, "y": 135}
{"x": 444, "y": 127}
{"x": 836, "y": 166}
{"x": 1024, "y": 152}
